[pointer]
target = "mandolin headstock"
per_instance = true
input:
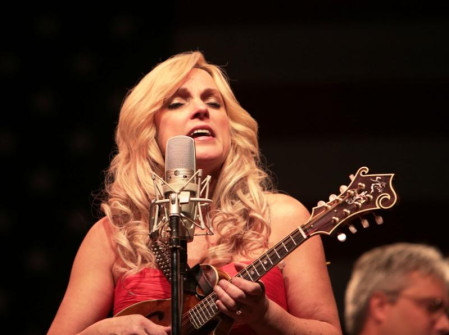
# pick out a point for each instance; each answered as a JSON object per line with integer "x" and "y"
{"x": 366, "y": 193}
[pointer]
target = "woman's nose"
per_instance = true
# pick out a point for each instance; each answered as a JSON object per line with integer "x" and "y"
{"x": 200, "y": 110}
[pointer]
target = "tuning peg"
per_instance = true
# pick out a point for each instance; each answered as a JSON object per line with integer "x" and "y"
{"x": 351, "y": 176}
{"x": 343, "y": 188}
{"x": 332, "y": 197}
{"x": 365, "y": 223}
{"x": 341, "y": 237}
{"x": 379, "y": 220}
{"x": 321, "y": 203}
{"x": 352, "y": 229}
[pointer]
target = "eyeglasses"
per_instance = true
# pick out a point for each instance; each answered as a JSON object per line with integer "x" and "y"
{"x": 434, "y": 306}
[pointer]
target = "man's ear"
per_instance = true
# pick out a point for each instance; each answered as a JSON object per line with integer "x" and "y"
{"x": 379, "y": 304}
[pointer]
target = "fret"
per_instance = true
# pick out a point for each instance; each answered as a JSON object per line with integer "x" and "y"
{"x": 280, "y": 251}
{"x": 269, "y": 258}
{"x": 255, "y": 269}
{"x": 210, "y": 312}
{"x": 199, "y": 315}
{"x": 290, "y": 245}
{"x": 261, "y": 263}
{"x": 202, "y": 316}
{"x": 193, "y": 319}
{"x": 248, "y": 274}
{"x": 211, "y": 304}
{"x": 294, "y": 242}
{"x": 284, "y": 246}
{"x": 274, "y": 255}
{"x": 304, "y": 236}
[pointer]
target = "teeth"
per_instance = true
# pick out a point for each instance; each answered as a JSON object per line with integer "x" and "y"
{"x": 203, "y": 132}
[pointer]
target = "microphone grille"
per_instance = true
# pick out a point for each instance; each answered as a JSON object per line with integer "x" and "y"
{"x": 180, "y": 153}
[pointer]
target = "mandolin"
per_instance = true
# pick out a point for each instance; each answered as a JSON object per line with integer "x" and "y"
{"x": 366, "y": 193}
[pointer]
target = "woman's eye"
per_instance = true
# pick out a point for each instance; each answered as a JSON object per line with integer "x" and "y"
{"x": 174, "y": 105}
{"x": 214, "y": 104}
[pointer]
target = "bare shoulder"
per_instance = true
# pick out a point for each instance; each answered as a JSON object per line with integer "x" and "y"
{"x": 101, "y": 229}
{"x": 99, "y": 241}
{"x": 286, "y": 214}
{"x": 100, "y": 232}
{"x": 284, "y": 206}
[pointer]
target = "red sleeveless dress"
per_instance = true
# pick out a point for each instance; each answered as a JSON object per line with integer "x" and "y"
{"x": 151, "y": 284}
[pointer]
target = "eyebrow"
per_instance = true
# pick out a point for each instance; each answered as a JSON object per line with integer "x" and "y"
{"x": 210, "y": 92}
{"x": 181, "y": 92}
{"x": 184, "y": 93}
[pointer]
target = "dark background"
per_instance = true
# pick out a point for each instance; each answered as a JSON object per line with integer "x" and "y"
{"x": 335, "y": 86}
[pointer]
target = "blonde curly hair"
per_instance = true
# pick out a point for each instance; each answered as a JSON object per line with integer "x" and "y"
{"x": 239, "y": 213}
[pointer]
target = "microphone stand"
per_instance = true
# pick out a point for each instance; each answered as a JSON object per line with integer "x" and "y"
{"x": 179, "y": 235}
{"x": 176, "y": 276}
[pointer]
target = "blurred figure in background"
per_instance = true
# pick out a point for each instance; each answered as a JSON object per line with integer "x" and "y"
{"x": 396, "y": 289}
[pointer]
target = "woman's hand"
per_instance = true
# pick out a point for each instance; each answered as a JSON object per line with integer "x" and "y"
{"x": 243, "y": 300}
{"x": 133, "y": 324}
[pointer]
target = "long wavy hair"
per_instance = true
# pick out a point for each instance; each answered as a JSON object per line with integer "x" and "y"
{"x": 239, "y": 216}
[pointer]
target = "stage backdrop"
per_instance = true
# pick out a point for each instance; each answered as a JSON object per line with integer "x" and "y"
{"x": 334, "y": 86}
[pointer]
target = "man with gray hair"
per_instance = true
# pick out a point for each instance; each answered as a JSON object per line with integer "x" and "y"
{"x": 400, "y": 288}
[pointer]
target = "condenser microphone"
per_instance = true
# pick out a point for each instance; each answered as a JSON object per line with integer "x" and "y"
{"x": 183, "y": 194}
{"x": 180, "y": 168}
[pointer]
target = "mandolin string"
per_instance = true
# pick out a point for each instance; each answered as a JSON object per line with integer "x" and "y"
{"x": 199, "y": 312}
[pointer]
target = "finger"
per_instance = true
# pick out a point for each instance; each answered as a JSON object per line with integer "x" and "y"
{"x": 262, "y": 286}
{"x": 251, "y": 288}
{"x": 238, "y": 311}
{"x": 226, "y": 304}
{"x": 146, "y": 326}
{"x": 240, "y": 266}
{"x": 222, "y": 307}
{"x": 229, "y": 294}
{"x": 236, "y": 288}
